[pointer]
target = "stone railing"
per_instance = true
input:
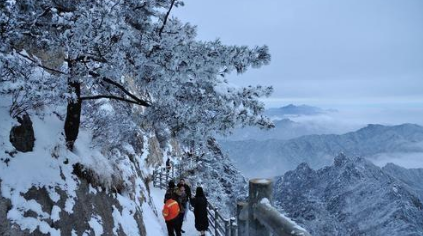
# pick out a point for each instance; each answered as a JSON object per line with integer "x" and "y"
{"x": 257, "y": 217}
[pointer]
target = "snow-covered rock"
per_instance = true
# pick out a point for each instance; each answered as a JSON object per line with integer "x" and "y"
{"x": 411, "y": 177}
{"x": 53, "y": 191}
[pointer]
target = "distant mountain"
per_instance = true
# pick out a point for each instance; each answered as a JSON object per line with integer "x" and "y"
{"x": 284, "y": 129}
{"x": 274, "y": 157}
{"x": 352, "y": 197}
{"x": 293, "y": 110}
{"x": 413, "y": 178}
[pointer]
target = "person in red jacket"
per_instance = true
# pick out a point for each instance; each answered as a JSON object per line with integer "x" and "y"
{"x": 170, "y": 213}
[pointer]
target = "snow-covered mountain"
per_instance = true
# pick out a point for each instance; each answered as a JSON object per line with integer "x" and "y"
{"x": 274, "y": 157}
{"x": 290, "y": 122}
{"x": 352, "y": 197}
{"x": 293, "y": 110}
{"x": 411, "y": 177}
{"x": 284, "y": 129}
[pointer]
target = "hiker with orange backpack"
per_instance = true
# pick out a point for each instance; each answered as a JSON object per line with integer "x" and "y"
{"x": 170, "y": 213}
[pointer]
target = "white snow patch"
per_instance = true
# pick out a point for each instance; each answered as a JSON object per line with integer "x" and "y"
{"x": 151, "y": 221}
{"x": 261, "y": 181}
{"x": 55, "y": 213}
{"x": 54, "y": 196}
{"x": 69, "y": 205}
{"x": 265, "y": 201}
{"x": 92, "y": 190}
{"x": 395, "y": 189}
{"x": 126, "y": 218}
{"x": 96, "y": 223}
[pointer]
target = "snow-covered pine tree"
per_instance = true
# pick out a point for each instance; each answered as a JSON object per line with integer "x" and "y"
{"x": 131, "y": 52}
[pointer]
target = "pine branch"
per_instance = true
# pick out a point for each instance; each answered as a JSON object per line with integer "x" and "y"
{"x": 113, "y": 97}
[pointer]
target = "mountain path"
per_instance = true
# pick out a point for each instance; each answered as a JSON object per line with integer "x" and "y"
{"x": 157, "y": 196}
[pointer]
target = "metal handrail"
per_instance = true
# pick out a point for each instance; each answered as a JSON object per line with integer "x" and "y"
{"x": 262, "y": 217}
{"x": 217, "y": 223}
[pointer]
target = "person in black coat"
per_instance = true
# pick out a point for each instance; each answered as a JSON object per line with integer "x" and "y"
{"x": 168, "y": 165}
{"x": 199, "y": 202}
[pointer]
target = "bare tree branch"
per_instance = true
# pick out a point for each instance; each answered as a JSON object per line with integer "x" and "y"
{"x": 113, "y": 97}
{"x": 40, "y": 65}
{"x": 141, "y": 102}
{"x": 166, "y": 17}
{"x": 135, "y": 98}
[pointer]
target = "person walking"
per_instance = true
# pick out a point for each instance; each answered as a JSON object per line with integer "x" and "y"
{"x": 182, "y": 199}
{"x": 187, "y": 188}
{"x": 189, "y": 195}
{"x": 199, "y": 202}
{"x": 170, "y": 213}
{"x": 170, "y": 189}
{"x": 168, "y": 165}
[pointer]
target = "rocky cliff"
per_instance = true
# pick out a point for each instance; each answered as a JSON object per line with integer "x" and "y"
{"x": 351, "y": 197}
{"x": 90, "y": 191}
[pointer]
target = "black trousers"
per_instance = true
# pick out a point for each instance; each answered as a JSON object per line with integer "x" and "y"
{"x": 180, "y": 220}
{"x": 173, "y": 227}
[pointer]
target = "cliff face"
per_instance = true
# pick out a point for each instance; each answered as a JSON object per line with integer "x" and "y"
{"x": 351, "y": 197}
{"x": 52, "y": 191}
{"x": 94, "y": 213}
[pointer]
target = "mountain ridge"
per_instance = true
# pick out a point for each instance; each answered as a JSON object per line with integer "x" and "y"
{"x": 350, "y": 197}
{"x": 277, "y": 156}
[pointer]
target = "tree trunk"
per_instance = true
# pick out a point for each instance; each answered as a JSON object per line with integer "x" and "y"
{"x": 73, "y": 115}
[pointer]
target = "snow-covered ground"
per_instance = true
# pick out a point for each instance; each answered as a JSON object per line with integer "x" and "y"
{"x": 50, "y": 166}
{"x": 157, "y": 196}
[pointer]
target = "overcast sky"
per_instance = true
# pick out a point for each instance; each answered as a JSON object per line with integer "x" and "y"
{"x": 361, "y": 54}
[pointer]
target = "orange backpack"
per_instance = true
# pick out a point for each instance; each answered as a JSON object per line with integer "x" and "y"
{"x": 170, "y": 210}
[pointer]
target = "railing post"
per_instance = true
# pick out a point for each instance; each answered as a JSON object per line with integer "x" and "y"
{"x": 216, "y": 222}
{"x": 242, "y": 217}
{"x": 227, "y": 227}
{"x": 167, "y": 177}
{"x": 173, "y": 172}
{"x": 160, "y": 178}
{"x": 180, "y": 171}
{"x": 258, "y": 189}
{"x": 233, "y": 226}
{"x": 154, "y": 178}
